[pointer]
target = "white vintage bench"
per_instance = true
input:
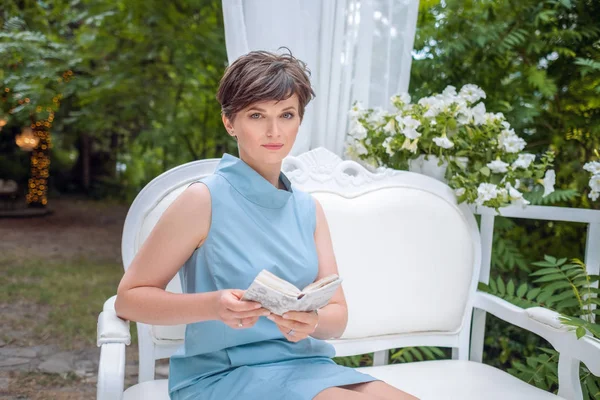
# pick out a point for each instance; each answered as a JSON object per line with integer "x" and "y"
{"x": 410, "y": 258}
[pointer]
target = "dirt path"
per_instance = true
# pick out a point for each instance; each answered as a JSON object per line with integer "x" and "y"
{"x": 78, "y": 229}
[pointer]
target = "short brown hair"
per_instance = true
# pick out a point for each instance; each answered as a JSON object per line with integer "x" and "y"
{"x": 263, "y": 76}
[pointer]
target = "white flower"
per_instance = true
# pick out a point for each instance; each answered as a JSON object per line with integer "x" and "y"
{"x": 377, "y": 116}
{"x": 443, "y": 142}
{"x": 471, "y": 93}
{"x": 356, "y": 111}
{"x": 459, "y": 192}
{"x": 387, "y": 145}
{"x": 593, "y": 167}
{"x": 515, "y": 196}
{"x": 595, "y": 182}
{"x": 498, "y": 166}
{"x": 358, "y": 131}
{"x": 485, "y": 192}
{"x": 408, "y": 122}
{"x": 410, "y": 145}
{"x": 411, "y": 133}
{"x": 594, "y": 195}
{"x": 510, "y": 141}
{"x": 505, "y": 124}
{"x": 449, "y": 91}
{"x": 434, "y": 106}
{"x": 490, "y": 118}
{"x": 390, "y": 127}
{"x": 523, "y": 161}
{"x": 548, "y": 182}
{"x": 402, "y": 98}
{"x": 409, "y": 126}
{"x": 360, "y": 149}
{"x": 478, "y": 113}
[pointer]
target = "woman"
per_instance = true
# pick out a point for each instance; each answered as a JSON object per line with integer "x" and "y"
{"x": 243, "y": 218}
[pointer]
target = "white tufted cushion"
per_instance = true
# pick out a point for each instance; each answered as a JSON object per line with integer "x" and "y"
{"x": 151, "y": 390}
{"x": 410, "y": 258}
{"x": 428, "y": 380}
{"x": 456, "y": 380}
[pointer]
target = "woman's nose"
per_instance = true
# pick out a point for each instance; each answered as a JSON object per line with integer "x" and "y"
{"x": 273, "y": 128}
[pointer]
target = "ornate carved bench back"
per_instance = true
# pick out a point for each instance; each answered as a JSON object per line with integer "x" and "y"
{"x": 407, "y": 253}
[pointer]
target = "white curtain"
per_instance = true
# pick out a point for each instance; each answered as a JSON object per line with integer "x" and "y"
{"x": 357, "y": 50}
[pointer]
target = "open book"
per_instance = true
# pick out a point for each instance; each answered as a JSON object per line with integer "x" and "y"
{"x": 279, "y": 296}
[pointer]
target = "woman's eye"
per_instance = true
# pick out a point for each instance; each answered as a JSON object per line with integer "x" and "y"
{"x": 255, "y": 116}
{"x": 288, "y": 115}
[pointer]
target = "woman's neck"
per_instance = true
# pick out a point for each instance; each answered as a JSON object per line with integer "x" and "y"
{"x": 270, "y": 172}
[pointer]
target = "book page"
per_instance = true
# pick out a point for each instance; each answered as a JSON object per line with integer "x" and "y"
{"x": 320, "y": 283}
{"x": 319, "y": 298}
{"x": 273, "y": 281}
{"x": 280, "y": 296}
{"x": 271, "y": 299}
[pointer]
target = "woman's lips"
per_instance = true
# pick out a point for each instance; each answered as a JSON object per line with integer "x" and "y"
{"x": 273, "y": 146}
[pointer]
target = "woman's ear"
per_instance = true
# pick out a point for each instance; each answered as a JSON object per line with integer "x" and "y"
{"x": 227, "y": 123}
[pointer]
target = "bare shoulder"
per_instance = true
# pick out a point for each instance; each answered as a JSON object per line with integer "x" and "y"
{"x": 321, "y": 219}
{"x": 193, "y": 205}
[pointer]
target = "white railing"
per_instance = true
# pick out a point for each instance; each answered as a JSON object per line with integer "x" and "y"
{"x": 592, "y": 261}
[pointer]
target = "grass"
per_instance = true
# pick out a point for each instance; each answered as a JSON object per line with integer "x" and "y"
{"x": 72, "y": 291}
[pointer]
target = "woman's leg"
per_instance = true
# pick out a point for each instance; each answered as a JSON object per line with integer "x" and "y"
{"x": 381, "y": 390}
{"x": 338, "y": 393}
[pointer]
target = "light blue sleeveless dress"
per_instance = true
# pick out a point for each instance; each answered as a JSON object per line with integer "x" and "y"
{"x": 254, "y": 226}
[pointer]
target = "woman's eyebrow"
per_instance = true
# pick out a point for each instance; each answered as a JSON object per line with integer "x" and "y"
{"x": 263, "y": 110}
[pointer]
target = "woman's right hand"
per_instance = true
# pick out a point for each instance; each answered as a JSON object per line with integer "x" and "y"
{"x": 237, "y": 313}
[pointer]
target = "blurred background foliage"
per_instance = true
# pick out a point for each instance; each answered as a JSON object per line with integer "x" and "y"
{"x": 142, "y": 100}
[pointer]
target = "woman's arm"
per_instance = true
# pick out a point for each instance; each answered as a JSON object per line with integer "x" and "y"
{"x": 333, "y": 318}
{"x": 141, "y": 295}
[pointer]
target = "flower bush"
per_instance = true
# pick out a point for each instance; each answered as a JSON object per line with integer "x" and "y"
{"x": 594, "y": 168}
{"x": 484, "y": 158}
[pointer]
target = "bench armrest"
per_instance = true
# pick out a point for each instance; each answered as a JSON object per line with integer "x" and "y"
{"x": 111, "y": 328}
{"x": 545, "y": 323}
{"x": 113, "y": 336}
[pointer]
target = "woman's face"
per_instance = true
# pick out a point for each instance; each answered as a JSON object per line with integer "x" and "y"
{"x": 266, "y": 131}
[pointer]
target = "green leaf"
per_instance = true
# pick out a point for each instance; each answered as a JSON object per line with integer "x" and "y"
{"x": 566, "y": 3}
{"x": 558, "y": 285}
{"x": 550, "y": 259}
{"x": 522, "y": 290}
{"x": 485, "y": 171}
{"x": 533, "y": 293}
{"x": 545, "y": 271}
{"x": 580, "y": 332}
{"x": 501, "y": 287}
{"x": 510, "y": 288}
{"x": 549, "y": 278}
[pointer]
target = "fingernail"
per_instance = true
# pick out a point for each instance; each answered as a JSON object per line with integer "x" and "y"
{"x": 285, "y": 316}
{"x": 271, "y": 318}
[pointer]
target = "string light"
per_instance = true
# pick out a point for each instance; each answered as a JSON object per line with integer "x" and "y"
{"x": 37, "y": 139}
{"x": 27, "y": 140}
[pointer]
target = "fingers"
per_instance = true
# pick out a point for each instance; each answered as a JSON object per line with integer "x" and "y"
{"x": 294, "y": 337}
{"x": 287, "y": 324}
{"x": 245, "y": 322}
{"x": 261, "y": 312}
{"x": 231, "y": 301}
{"x": 301, "y": 316}
{"x": 242, "y": 305}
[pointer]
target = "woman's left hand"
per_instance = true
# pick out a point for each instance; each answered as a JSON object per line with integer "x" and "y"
{"x": 301, "y": 324}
